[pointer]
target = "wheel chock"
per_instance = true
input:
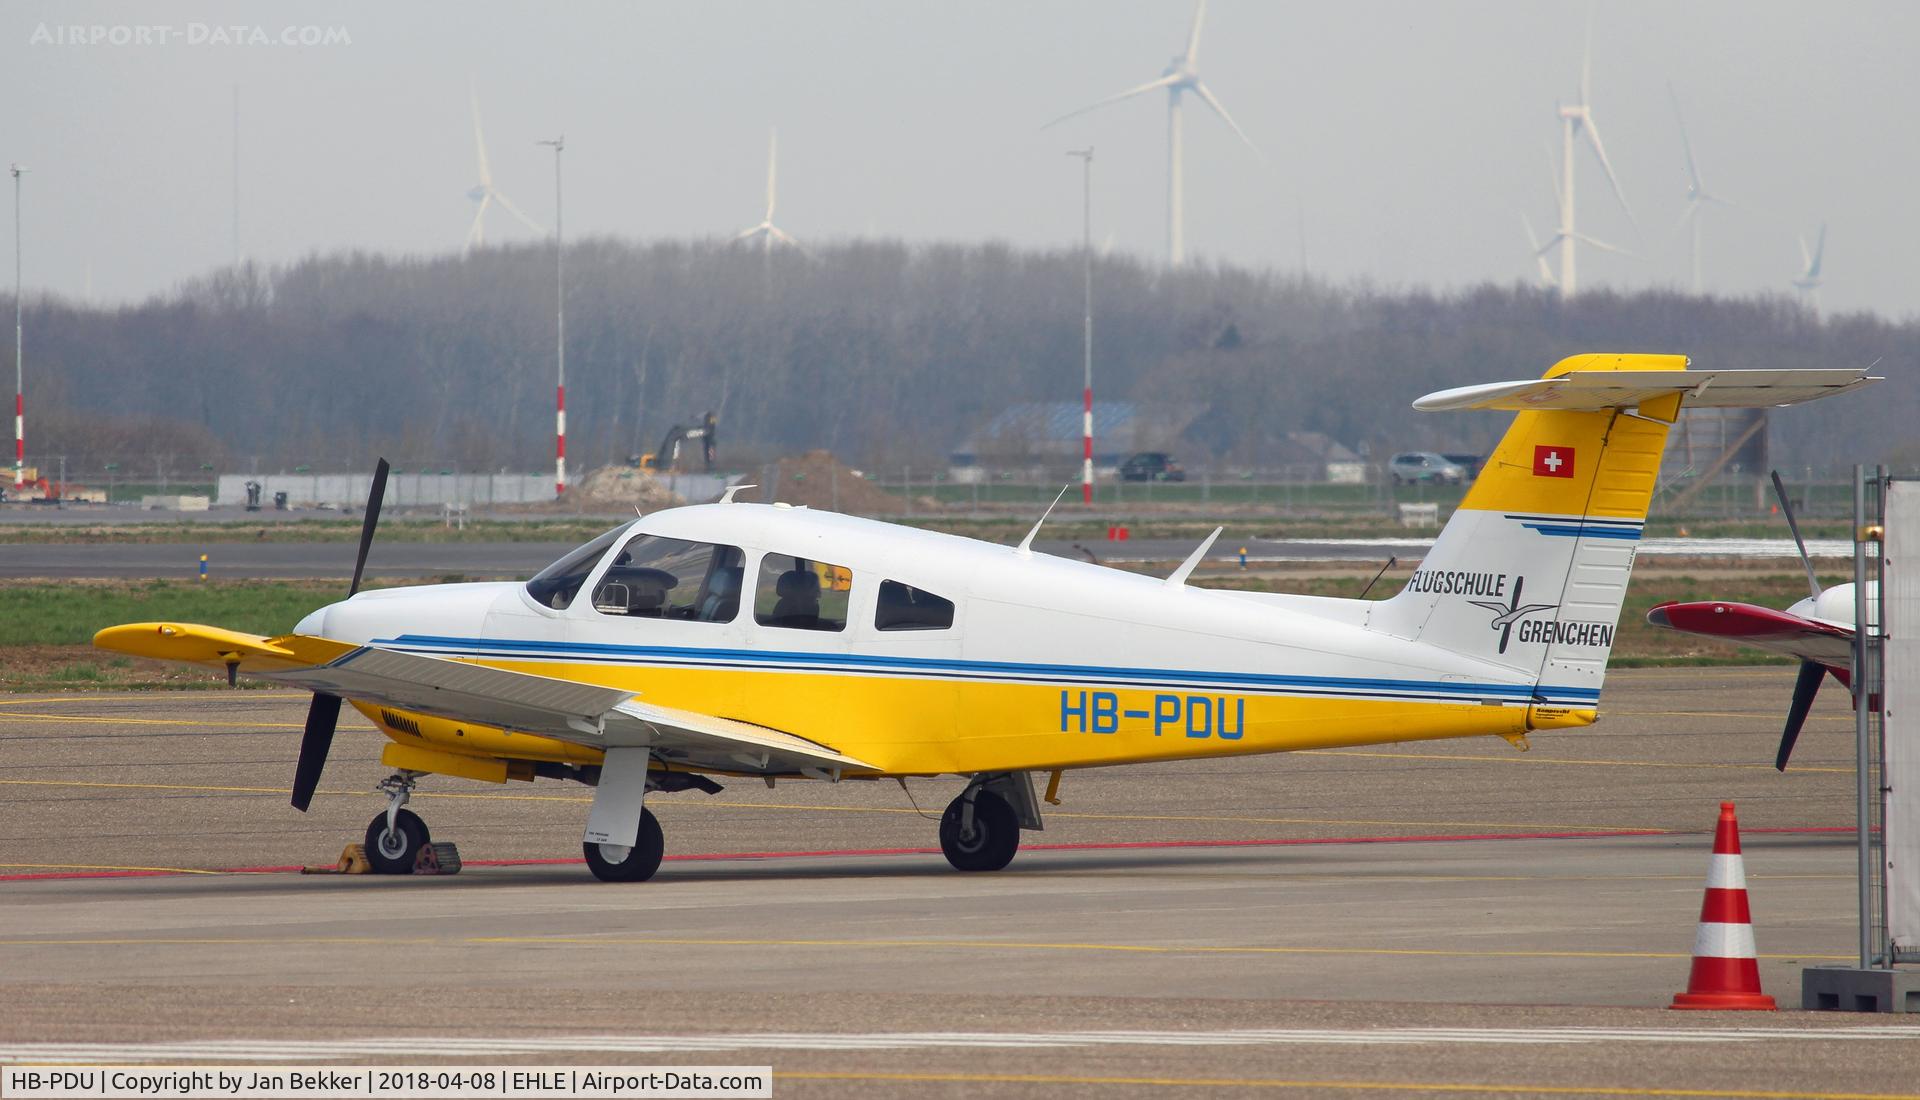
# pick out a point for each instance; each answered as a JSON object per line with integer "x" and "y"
{"x": 353, "y": 861}
{"x": 437, "y": 859}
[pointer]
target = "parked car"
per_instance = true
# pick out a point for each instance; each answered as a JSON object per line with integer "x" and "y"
{"x": 1470, "y": 463}
{"x": 1151, "y": 466}
{"x": 1409, "y": 467}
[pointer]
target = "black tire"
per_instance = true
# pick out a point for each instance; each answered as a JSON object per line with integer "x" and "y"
{"x": 638, "y": 863}
{"x": 395, "y": 853}
{"x": 995, "y": 837}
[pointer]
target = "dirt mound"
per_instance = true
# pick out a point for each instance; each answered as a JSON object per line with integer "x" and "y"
{"x": 623, "y": 486}
{"x": 817, "y": 480}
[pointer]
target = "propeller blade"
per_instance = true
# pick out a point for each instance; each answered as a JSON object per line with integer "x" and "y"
{"x": 1539, "y": 251}
{"x": 477, "y": 232}
{"x": 1599, "y": 150}
{"x": 1586, "y": 64}
{"x": 1786, "y": 509}
{"x": 374, "y": 495}
{"x": 1193, "y": 37}
{"x": 749, "y": 234}
{"x": 1206, "y": 93}
{"x": 775, "y": 233}
{"x": 1601, "y": 245}
{"x": 1692, "y": 211}
{"x": 1559, "y": 196}
{"x": 323, "y": 714}
{"x": 1819, "y": 253}
{"x": 479, "y": 141}
{"x": 516, "y": 211}
{"x": 1693, "y": 173}
{"x": 1163, "y": 82}
{"x": 1804, "y": 689}
{"x": 772, "y": 159}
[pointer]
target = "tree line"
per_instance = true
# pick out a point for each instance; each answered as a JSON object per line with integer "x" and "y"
{"x": 882, "y": 352}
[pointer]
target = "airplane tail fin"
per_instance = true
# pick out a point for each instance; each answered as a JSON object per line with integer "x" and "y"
{"x": 1532, "y": 569}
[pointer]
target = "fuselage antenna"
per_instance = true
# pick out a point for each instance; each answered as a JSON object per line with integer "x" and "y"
{"x": 1025, "y": 549}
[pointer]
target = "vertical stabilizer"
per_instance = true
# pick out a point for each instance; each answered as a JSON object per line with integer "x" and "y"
{"x": 1532, "y": 569}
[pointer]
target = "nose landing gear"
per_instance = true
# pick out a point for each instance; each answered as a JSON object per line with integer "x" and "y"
{"x": 395, "y": 836}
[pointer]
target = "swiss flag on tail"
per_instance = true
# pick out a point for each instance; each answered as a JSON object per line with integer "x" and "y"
{"x": 1552, "y": 461}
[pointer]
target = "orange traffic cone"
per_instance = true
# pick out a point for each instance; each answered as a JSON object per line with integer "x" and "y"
{"x": 1726, "y": 974}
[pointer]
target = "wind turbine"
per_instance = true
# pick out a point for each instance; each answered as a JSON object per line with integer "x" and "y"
{"x": 1564, "y": 235}
{"x": 1181, "y": 75}
{"x": 1576, "y": 120}
{"x": 1697, "y": 195}
{"x": 766, "y": 231}
{"x": 1808, "y": 283}
{"x": 484, "y": 192}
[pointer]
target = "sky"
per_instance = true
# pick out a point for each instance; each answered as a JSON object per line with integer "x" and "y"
{"x": 1400, "y": 143}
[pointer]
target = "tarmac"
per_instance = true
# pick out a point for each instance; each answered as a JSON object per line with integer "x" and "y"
{"x": 1448, "y": 918}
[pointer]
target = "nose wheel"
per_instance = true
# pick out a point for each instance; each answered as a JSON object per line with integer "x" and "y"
{"x": 395, "y": 837}
{"x": 394, "y": 849}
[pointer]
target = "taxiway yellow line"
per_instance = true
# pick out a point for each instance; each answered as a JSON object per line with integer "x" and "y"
{"x": 105, "y": 867}
{"x": 1277, "y": 1083}
{"x": 1116, "y": 948}
{"x": 1518, "y": 759}
{"x": 121, "y": 696}
{"x": 104, "y": 720}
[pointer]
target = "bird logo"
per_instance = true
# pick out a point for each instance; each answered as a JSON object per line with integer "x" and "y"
{"x": 1506, "y": 614}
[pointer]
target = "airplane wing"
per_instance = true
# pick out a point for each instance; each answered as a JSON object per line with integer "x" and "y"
{"x": 1761, "y": 627}
{"x": 566, "y": 710}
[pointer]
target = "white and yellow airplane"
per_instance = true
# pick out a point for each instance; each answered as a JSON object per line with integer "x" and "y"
{"x": 773, "y": 642}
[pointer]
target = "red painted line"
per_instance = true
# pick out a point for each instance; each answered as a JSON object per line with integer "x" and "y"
{"x": 1093, "y": 846}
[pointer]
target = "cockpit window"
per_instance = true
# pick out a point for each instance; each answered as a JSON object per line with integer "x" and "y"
{"x": 800, "y": 594}
{"x": 557, "y": 584}
{"x": 655, "y": 577}
{"x": 904, "y": 607}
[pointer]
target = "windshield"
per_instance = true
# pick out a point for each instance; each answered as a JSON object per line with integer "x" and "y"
{"x": 557, "y": 584}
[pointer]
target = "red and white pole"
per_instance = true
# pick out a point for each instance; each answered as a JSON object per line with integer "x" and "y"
{"x": 560, "y": 443}
{"x": 560, "y": 327}
{"x": 19, "y": 371}
{"x": 1086, "y": 448}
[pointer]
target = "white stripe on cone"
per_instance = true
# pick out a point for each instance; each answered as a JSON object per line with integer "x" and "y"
{"x": 1726, "y": 873}
{"x": 1724, "y": 941}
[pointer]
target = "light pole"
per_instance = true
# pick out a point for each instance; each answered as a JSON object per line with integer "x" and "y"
{"x": 1086, "y": 274}
{"x": 19, "y": 375}
{"x": 559, "y": 145}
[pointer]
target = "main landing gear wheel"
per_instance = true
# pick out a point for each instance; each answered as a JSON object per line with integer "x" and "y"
{"x": 395, "y": 852}
{"x": 988, "y": 842}
{"x": 619, "y": 863}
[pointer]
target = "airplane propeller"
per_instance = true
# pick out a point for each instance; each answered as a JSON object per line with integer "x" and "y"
{"x": 323, "y": 714}
{"x": 1811, "y": 672}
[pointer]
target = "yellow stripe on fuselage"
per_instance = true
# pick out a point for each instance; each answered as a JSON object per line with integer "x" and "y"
{"x": 911, "y": 725}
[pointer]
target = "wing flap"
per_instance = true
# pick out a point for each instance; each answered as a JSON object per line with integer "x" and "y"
{"x": 727, "y": 744}
{"x": 1590, "y": 390}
